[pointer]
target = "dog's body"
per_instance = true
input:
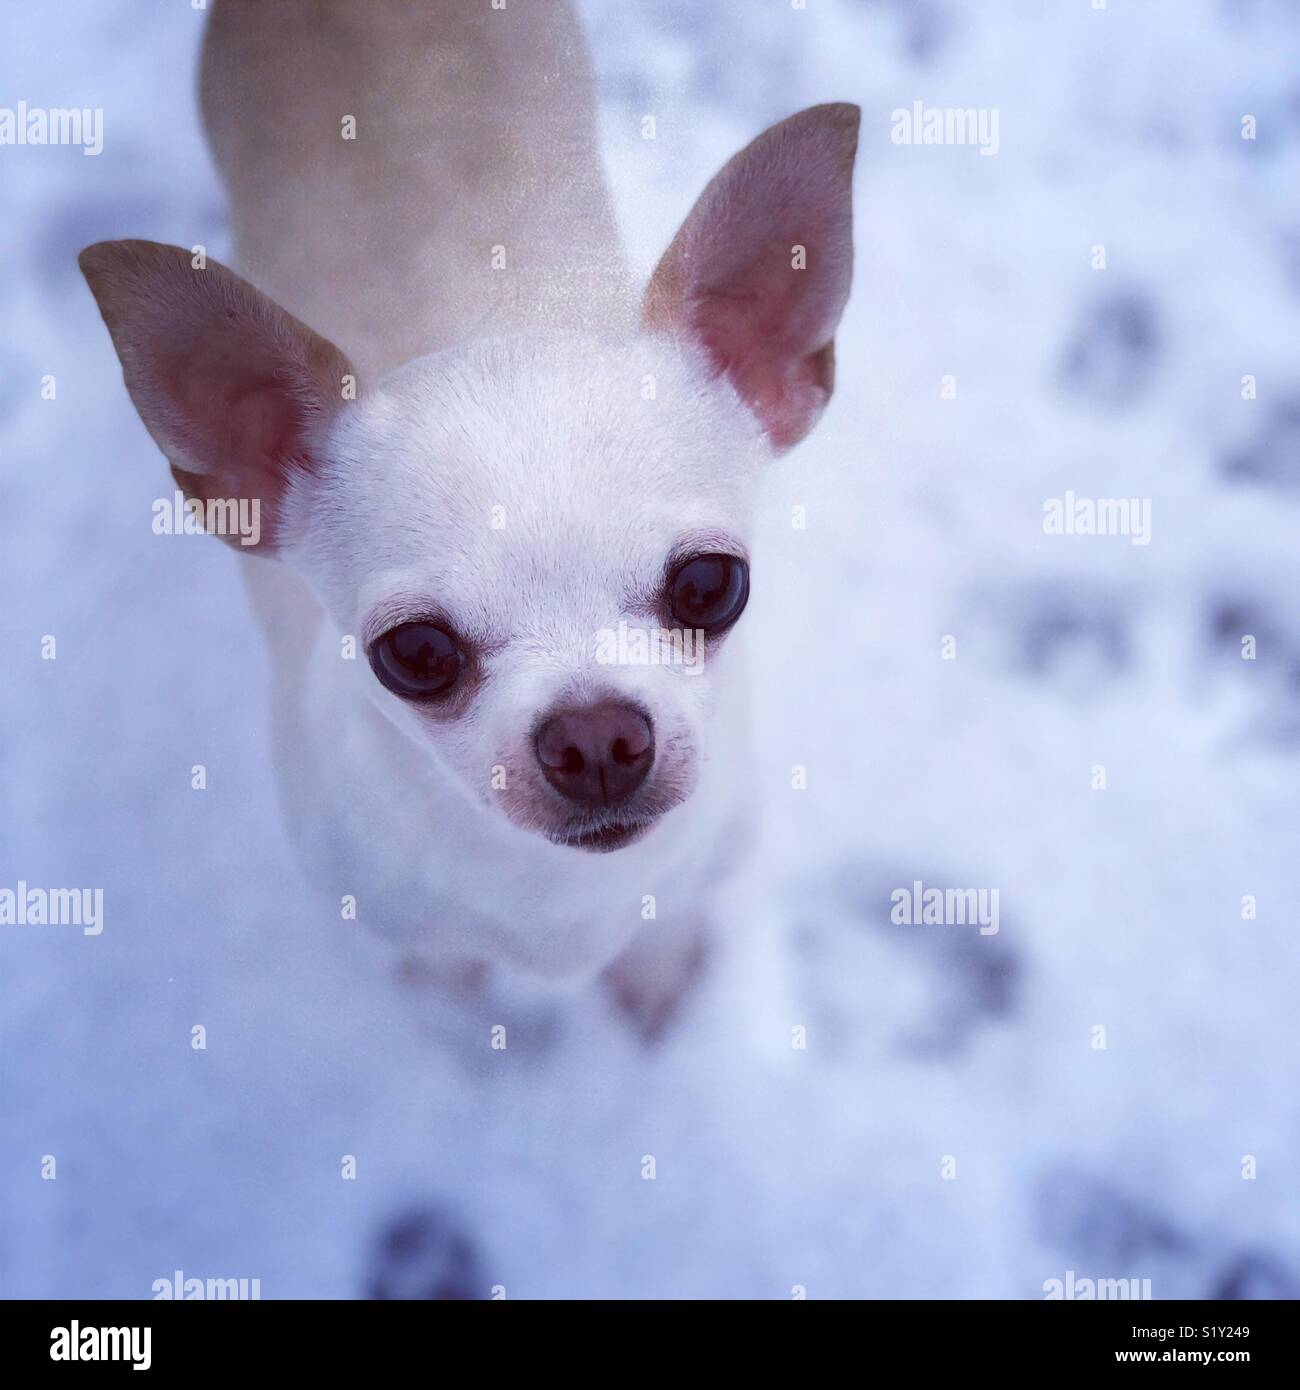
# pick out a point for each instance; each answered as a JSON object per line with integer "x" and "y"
{"x": 484, "y": 128}
{"x": 521, "y": 467}
{"x": 374, "y": 155}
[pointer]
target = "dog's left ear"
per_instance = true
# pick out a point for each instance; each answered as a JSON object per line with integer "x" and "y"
{"x": 235, "y": 392}
{"x": 759, "y": 273}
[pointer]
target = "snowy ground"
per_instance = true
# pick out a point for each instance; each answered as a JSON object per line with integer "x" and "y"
{"x": 777, "y": 1168}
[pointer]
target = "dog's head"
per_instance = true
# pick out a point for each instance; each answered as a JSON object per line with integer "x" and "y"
{"x": 539, "y": 542}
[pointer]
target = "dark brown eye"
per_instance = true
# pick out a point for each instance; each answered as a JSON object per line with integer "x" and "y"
{"x": 417, "y": 660}
{"x": 709, "y": 592}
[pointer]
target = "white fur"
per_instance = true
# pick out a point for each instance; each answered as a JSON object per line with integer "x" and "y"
{"x": 522, "y": 457}
{"x": 404, "y": 511}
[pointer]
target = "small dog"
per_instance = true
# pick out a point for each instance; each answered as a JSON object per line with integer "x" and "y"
{"x": 510, "y": 501}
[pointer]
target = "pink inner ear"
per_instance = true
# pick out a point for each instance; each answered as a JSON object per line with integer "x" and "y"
{"x": 789, "y": 400}
{"x": 269, "y": 423}
{"x": 759, "y": 273}
{"x": 238, "y": 404}
{"x": 230, "y": 386}
{"x": 754, "y": 340}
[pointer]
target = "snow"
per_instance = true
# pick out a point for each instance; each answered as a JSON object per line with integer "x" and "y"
{"x": 776, "y": 1167}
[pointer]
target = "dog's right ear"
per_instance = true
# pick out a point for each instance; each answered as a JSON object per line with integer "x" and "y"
{"x": 235, "y": 392}
{"x": 759, "y": 273}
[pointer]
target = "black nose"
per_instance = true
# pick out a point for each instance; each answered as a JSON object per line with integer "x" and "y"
{"x": 596, "y": 756}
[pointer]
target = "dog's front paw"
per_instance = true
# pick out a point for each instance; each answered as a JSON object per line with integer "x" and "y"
{"x": 648, "y": 985}
{"x": 425, "y": 1255}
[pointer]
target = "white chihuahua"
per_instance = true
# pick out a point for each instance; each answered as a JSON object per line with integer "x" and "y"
{"x": 505, "y": 461}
